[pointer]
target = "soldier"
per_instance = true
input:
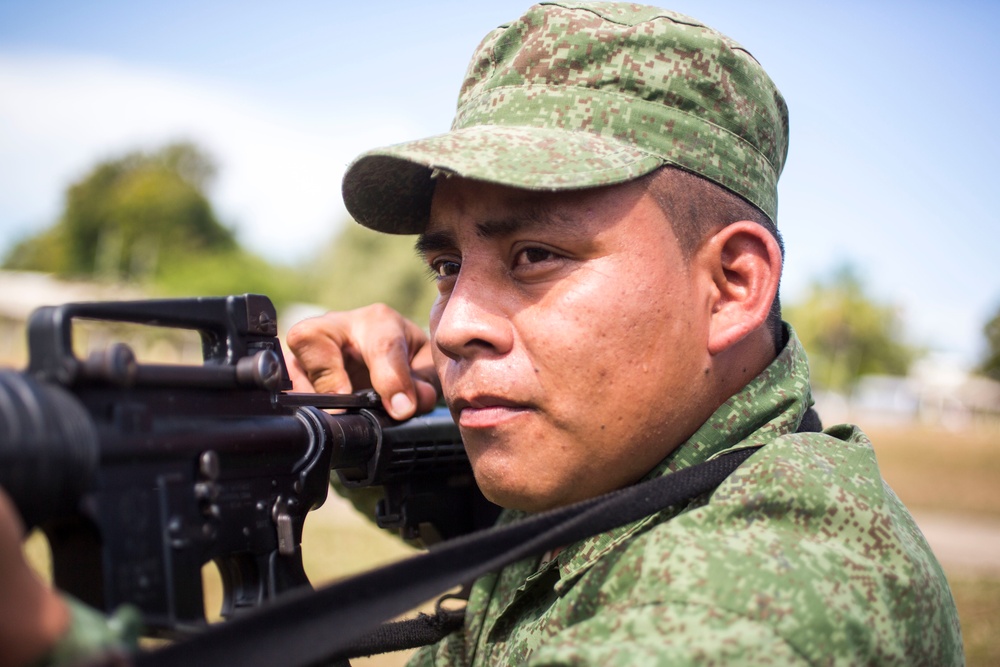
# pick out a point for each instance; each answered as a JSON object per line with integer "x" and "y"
{"x": 600, "y": 221}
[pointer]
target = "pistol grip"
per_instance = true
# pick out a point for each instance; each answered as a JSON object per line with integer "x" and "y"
{"x": 248, "y": 580}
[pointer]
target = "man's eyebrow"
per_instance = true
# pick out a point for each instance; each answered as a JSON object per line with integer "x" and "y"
{"x": 430, "y": 242}
{"x": 536, "y": 217}
{"x": 529, "y": 218}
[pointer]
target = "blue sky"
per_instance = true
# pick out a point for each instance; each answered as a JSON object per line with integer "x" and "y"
{"x": 893, "y": 105}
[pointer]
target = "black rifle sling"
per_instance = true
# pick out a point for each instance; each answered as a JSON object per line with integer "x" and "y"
{"x": 427, "y": 629}
{"x": 310, "y": 628}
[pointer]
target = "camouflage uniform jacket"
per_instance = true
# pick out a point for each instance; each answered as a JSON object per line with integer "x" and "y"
{"x": 804, "y": 556}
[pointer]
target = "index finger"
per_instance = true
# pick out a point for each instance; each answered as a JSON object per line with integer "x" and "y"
{"x": 371, "y": 347}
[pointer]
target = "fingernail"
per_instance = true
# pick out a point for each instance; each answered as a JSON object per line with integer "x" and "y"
{"x": 401, "y": 404}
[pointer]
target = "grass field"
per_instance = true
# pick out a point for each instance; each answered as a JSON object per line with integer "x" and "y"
{"x": 939, "y": 470}
{"x": 931, "y": 470}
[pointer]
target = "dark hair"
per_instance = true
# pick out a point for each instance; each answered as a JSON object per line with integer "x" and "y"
{"x": 697, "y": 208}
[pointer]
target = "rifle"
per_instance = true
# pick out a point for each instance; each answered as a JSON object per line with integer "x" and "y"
{"x": 139, "y": 474}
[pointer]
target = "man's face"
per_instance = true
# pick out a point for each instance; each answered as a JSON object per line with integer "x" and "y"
{"x": 569, "y": 335}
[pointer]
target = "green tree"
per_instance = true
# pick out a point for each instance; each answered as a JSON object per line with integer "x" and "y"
{"x": 847, "y": 333}
{"x": 230, "y": 272}
{"x": 361, "y": 266}
{"x": 146, "y": 218}
{"x": 990, "y": 366}
{"x": 129, "y": 217}
{"x": 46, "y": 251}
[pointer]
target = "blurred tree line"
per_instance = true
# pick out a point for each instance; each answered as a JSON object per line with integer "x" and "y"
{"x": 146, "y": 218}
{"x": 990, "y": 366}
{"x": 848, "y": 333}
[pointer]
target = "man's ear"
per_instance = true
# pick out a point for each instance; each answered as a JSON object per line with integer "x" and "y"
{"x": 744, "y": 262}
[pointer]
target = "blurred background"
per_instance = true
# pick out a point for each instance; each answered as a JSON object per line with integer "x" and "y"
{"x": 196, "y": 148}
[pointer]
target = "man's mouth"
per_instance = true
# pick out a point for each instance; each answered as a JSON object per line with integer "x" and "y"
{"x": 480, "y": 412}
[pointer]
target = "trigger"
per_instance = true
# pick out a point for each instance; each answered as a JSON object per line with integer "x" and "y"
{"x": 285, "y": 528}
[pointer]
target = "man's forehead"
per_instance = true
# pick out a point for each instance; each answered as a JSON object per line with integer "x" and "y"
{"x": 497, "y": 210}
{"x": 490, "y": 211}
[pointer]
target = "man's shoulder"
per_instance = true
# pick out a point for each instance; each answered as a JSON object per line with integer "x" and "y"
{"x": 806, "y": 503}
{"x": 824, "y": 488}
{"x": 806, "y": 538}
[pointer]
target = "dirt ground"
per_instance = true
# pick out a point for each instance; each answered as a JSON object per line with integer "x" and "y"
{"x": 967, "y": 546}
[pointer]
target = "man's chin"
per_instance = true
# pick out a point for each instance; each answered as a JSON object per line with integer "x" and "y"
{"x": 511, "y": 477}
{"x": 521, "y": 497}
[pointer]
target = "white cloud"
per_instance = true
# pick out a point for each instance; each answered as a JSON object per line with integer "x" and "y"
{"x": 280, "y": 170}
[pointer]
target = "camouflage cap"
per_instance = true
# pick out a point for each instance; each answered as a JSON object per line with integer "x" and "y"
{"x": 579, "y": 95}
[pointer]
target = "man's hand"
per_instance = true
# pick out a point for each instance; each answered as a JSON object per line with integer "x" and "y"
{"x": 372, "y": 347}
{"x": 32, "y": 615}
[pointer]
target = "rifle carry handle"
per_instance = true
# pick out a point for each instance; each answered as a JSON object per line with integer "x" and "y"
{"x": 233, "y": 329}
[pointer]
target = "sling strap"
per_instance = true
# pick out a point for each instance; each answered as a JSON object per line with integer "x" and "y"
{"x": 411, "y": 633}
{"x": 309, "y": 628}
{"x": 427, "y": 629}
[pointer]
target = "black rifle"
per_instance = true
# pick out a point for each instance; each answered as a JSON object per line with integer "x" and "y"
{"x": 140, "y": 474}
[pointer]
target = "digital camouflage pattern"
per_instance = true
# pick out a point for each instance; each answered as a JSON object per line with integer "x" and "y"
{"x": 94, "y": 639}
{"x": 804, "y": 556}
{"x": 575, "y": 95}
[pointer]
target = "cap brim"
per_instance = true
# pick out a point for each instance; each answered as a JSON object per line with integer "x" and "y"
{"x": 390, "y": 189}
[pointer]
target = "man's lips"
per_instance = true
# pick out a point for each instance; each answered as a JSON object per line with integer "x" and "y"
{"x": 486, "y": 411}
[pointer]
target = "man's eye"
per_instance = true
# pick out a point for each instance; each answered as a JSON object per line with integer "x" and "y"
{"x": 533, "y": 256}
{"x": 445, "y": 268}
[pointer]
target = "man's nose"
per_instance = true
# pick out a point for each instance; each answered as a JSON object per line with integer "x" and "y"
{"x": 473, "y": 319}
